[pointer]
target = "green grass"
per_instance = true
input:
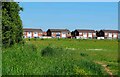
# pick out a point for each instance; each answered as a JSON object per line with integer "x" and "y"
{"x": 61, "y": 57}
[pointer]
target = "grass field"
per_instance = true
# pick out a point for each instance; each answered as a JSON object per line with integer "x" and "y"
{"x": 61, "y": 57}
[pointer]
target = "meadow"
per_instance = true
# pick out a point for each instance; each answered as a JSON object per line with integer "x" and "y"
{"x": 61, "y": 57}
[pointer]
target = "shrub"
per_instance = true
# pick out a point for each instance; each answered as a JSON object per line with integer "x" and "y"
{"x": 34, "y": 48}
{"x": 42, "y": 39}
{"x": 83, "y": 54}
{"x": 47, "y": 51}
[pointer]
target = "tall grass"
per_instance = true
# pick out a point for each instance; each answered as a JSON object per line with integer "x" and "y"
{"x": 50, "y": 57}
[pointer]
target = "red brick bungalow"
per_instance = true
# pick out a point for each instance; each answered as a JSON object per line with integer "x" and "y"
{"x": 84, "y": 33}
{"x": 111, "y": 34}
{"x": 60, "y": 33}
{"x": 32, "y": 33}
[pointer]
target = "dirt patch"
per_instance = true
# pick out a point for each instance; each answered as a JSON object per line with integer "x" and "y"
{"x": 106, "y": 68}
{"x": 71, "y": 48}
{"x": 95, "y": 49}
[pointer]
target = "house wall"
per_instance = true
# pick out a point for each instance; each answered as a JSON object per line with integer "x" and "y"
{"x": 53, "y": 34}
{"x": 63, "y": 34}
{"x": 56, "y": 34}
{"x": 94, "y": 34}
{"x": 115, "y": 35}
{"x": 106, "y": 35}
{"x": 35, "y": 34}
{"x": 29, "y": 34}
{"x": 86, "y": 35}
{"x": 90, "y": 35}
{"x": 40, "y": 34}
{"x": 32, "y": 34}
{"x": 80, "y": 34}
{"x": 111, "y": 35}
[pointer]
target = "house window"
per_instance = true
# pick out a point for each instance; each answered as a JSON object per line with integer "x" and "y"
{"x": 110, "y": 33}
{"x": 90, "y": 33}
{"x": 84, "y": 33}
{"x": 63, "y": 33}
{"x": 80, "y": 33}
{"x": 40, "y": 33}
{"x": 114, "y": 33}
{"x": 52, "y": 32}
{"x": 106, "y": 33}
{"x": 28, "y": 32}
{"x": 58, "y": 33}
{"x": 94, "y": 33}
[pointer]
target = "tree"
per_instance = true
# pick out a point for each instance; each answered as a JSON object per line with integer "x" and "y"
{"x": 12, "y": 31}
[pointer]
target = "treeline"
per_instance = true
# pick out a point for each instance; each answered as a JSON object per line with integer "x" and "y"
{"x": 12, "y": 31}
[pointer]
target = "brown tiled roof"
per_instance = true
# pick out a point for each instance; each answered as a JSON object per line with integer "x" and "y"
{"x": 111, "y": 31}
{"x": 59, "y": 30}
{"x": 32, "y": 30}
{"x": 85, "y": 30}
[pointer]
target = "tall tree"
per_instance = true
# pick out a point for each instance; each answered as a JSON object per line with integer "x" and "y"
{"x": 11, "y": 23}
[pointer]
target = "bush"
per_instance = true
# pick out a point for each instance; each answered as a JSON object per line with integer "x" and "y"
{"x": 83, "y": 54}
{"x": 48, "y": 51}
{"x": 42, "y": 39}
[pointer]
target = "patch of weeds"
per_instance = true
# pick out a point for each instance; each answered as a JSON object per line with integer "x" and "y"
{"x": 22, "y": 42}
{"x": 89, "y": 65}
{"x": 35, "y": 38}
{"x": 42, "y": 39}
{"x": 58, "y": 38}
{"x": 29, "y": 39}
{"x": 51, "y": 51}
{"x": 47, "y": 51}
{"x": 94, "y": 40}
{"x": 33, "y": 47}
{"x": 83, "y": 54}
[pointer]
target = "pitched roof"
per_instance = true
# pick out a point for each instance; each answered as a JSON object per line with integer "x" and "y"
{"x": 85, "y": 30}
{"x": 111, "y": 31}
{"x": 32, "y": 30}
{"x": 59, "y": 30}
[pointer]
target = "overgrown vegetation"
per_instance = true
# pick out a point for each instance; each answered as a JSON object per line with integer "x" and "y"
{"x": 48, "y": 51}
{"x": 50, "y": 57}
{"x": 11, "y": 24}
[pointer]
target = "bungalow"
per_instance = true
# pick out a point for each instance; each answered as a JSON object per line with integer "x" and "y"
{"x": 84, "y": 34}
{"x": 111, "y": 34}
{"x": 58, "y": 33}
{"x": 32, "y": 33}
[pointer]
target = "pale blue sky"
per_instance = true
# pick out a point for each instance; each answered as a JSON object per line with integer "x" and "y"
{"x": 66, "y": 0}
{"x": 70, "y": 15}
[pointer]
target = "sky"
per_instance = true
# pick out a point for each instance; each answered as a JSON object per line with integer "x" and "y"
{"x": 70, "y": 15}
{"x": 67, "y": 0}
